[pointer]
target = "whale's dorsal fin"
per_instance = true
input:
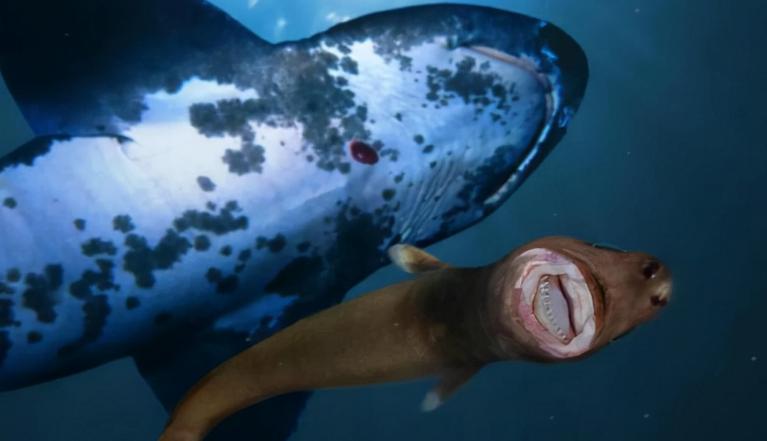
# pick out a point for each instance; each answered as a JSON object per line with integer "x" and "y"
{"x": 412, "y": 259}
{"x": 77, "y": 66}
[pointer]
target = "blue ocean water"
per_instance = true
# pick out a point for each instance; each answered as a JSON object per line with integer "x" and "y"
{"x": 666, "y": 155}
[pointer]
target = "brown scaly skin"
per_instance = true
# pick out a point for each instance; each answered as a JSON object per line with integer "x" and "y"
{"x": 449, "y": 321}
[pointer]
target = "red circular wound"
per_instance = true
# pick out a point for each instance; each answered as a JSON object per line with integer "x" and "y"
{"x": 362, "y": 152}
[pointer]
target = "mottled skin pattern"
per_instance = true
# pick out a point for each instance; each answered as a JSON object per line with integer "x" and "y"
{"x": 202, "y": 183}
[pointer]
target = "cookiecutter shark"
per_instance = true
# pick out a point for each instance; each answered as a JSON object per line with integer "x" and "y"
{"x": 554, "y": 299}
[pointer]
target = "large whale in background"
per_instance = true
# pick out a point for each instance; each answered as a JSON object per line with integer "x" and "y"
{"x": 193, "y": 188}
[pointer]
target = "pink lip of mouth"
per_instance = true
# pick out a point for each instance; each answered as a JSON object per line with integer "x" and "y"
{"x": 554, "y": 281}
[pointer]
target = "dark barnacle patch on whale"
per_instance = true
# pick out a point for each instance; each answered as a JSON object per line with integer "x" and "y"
{"x": 349, "y": 65}
{"x": 143, "y": 260}
{"x": 202, "y": 243}
{"x": 123, "y": 223}
{"x": 96, "y": 246}
{"x": 362, "y": 112}
{"x": 214, "y": 275}
{"x": 40, "y": 295}
{"x": 473, "y": 87}
{"x": 206, "y": 184}
{"x": 275, "y": 245}
{"x": 230, "y": 116}
{"x": 34, "y": 337}
{"x": 7, "y": 317}
{"x": 13, "y": 275}
{"x": 226, "y": 250}
{"x": 392, "y": 154}
{"x": 91, "y": 288}
{"x": 298, "y": 87}
{"x": 96, "y": 309}
{"x": 224, "y": 284}
{"x": 388, "y": 194}
{"x": 224, "y": 222}
{"x": 10, "y": 203}
{"x": 405, "y": 63}
{"x": 5, "y": 346}
{"x": 250, "y": 158}
{"x": 314, "y": 98}
{"x": 101, "y": 280}
{"x": 242, "y": 260}
{"x": 132, "y": 303}
{"x": 80, "y": 224}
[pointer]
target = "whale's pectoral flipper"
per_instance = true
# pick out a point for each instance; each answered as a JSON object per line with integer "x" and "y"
{"x": 172, "y": 367}
{"x": 413, "y": 259}
{"x": 83, "y": 67}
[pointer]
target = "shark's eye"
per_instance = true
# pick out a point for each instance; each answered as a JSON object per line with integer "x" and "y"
{"x": 650, "y": 269}
{"x": 363, "y": 153}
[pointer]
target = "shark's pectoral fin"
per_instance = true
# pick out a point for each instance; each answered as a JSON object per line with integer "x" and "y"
{"x": 413, "y": 259}
{"x": 450, "y": 382}
{"x": 173, "y": 366}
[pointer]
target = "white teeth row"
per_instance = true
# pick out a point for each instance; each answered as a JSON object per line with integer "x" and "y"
{"x": 543, "y": 289}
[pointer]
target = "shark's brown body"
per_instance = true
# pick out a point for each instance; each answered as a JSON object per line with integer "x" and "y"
{"x": 448, "y": 321}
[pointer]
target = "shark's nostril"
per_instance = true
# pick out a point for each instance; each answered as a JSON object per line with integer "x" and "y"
{"x": 650, "y": 269}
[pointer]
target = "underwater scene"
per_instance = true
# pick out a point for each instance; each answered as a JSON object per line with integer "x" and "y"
{"x": 373, "y": 220}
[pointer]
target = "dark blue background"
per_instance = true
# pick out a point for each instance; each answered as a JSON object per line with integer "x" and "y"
{"x": 667, "y": 155}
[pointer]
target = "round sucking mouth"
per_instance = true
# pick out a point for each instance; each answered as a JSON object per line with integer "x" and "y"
{"x": 555, "y": 303}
